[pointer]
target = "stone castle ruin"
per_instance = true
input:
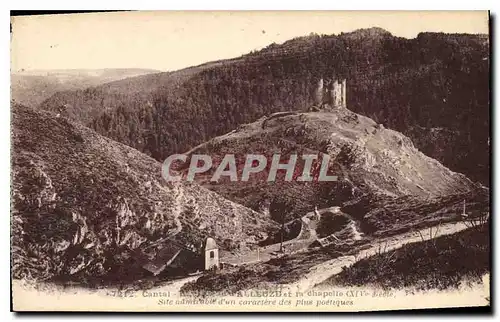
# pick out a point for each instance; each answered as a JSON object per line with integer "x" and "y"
{"x": 330, "y": 93}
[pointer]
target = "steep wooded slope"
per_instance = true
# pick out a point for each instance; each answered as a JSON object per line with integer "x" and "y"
{"x": 434, "y": 89}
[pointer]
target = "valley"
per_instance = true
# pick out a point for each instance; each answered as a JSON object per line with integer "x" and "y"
{"x": 92, "y": 211}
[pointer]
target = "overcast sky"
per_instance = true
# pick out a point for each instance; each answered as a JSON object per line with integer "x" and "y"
{"x": 173, "y": 40}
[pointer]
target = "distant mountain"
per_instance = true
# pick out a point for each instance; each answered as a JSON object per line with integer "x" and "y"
{"x": 369, "y": 161}
{"x": 83, "y": 205}
{"x": 433, "y": 88}
{"x": 34, "y": 86}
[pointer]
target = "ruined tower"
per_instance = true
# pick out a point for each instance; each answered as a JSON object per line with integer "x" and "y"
{"x": 330, "y": 93}
{"x": 337, "y": 93}
{"x": 344, "y": 93}
{"x": 319, "y": 94}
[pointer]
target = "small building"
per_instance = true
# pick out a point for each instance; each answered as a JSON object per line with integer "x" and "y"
{"x": 165, "y": 257}
{"x": 211, "y": 254}
{"x": 173, "y": 259}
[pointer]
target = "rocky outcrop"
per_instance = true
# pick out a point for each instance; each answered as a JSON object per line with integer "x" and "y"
{"x": 367, "y": 158}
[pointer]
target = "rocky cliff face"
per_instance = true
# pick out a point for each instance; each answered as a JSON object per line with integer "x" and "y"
{"x": 83, "y": 205}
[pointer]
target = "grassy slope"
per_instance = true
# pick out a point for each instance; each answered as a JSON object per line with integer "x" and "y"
{"x": 436, "y": 264}
{"x": 386, "y": 216}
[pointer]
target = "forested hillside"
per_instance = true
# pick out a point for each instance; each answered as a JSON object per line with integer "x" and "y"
{"x": 434, "y": 89}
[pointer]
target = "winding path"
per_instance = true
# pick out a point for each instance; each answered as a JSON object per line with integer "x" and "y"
{"x": 325, "y": 270}
{"x": 306, "y": 237}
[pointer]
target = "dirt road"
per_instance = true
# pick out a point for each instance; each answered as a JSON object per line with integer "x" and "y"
{"x": 323, "y": 271}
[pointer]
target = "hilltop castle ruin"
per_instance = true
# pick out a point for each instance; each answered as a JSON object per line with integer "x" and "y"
{"x": 330, "y": 93}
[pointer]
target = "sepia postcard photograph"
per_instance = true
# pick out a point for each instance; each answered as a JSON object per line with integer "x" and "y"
{"x": 250, "y": 161}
